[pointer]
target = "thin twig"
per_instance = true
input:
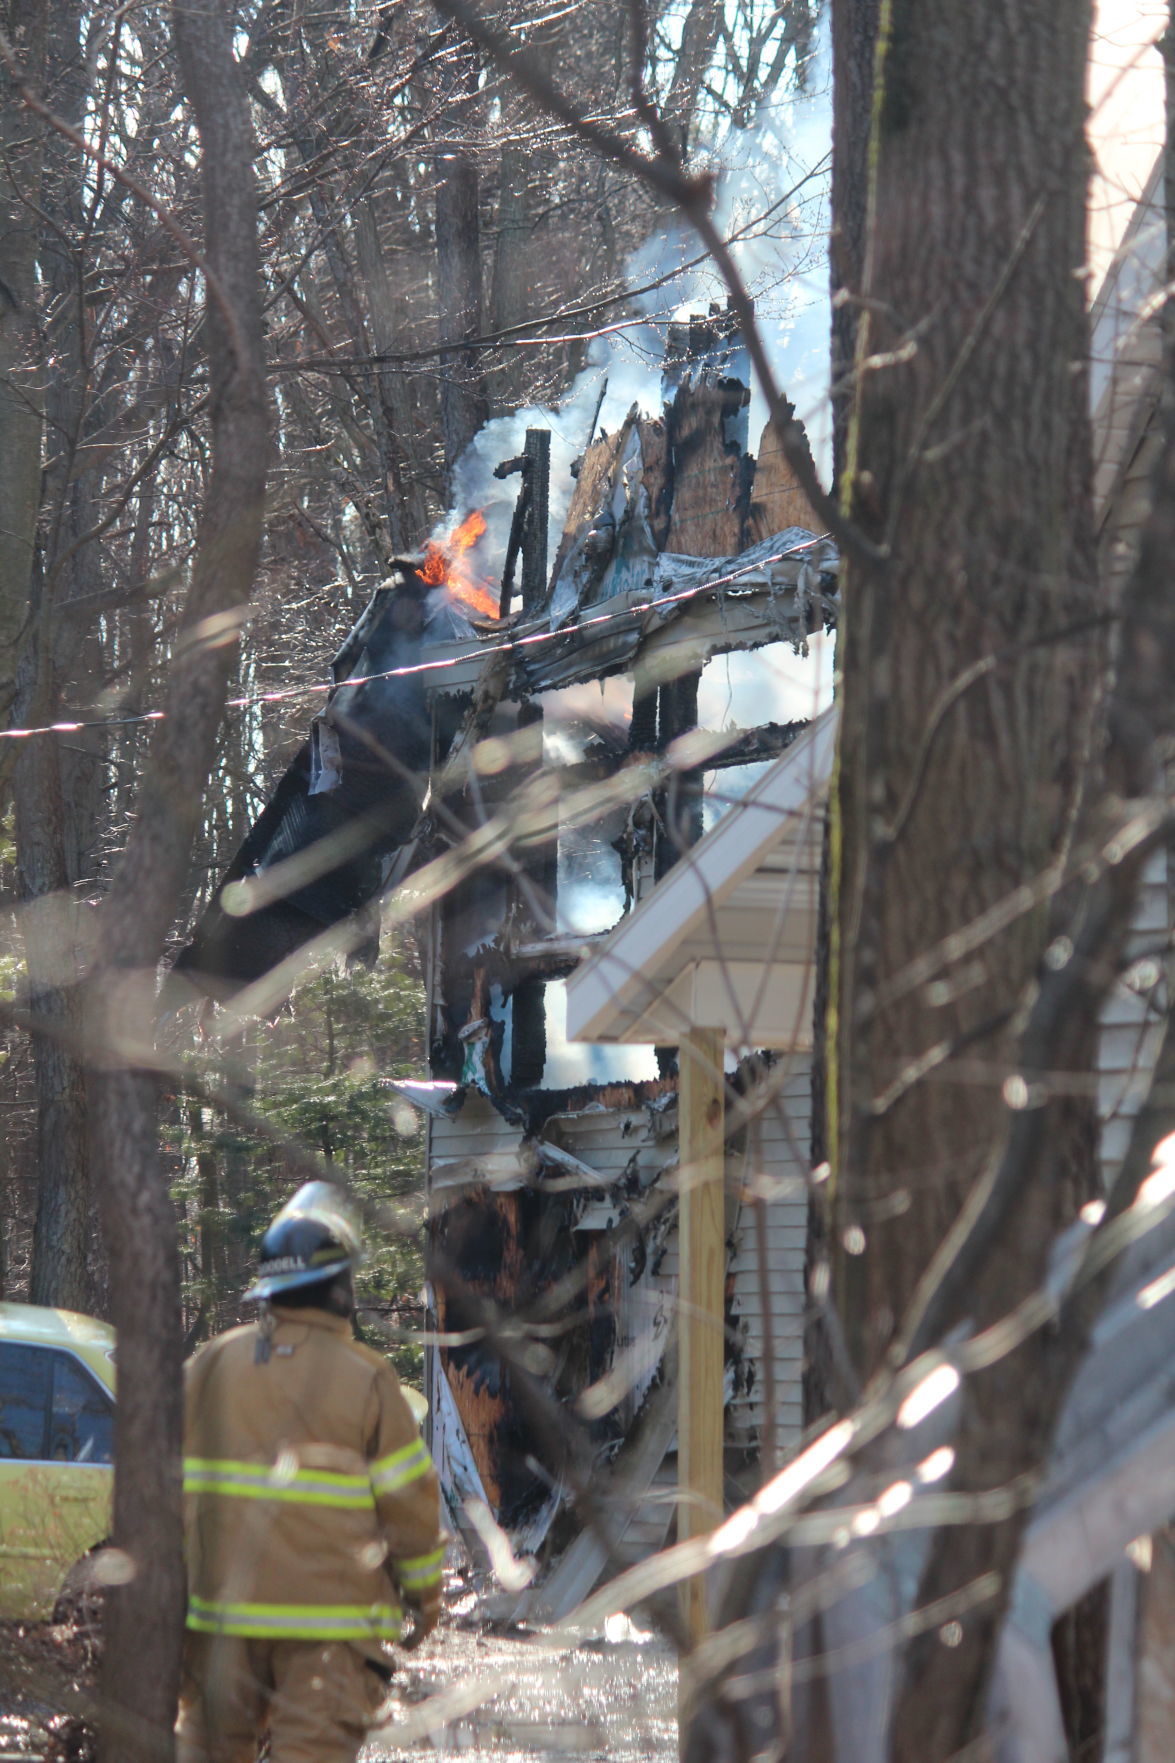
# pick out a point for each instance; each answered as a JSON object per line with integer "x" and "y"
{"x": 159, "y": 209}
{"x": 694, "y": 196}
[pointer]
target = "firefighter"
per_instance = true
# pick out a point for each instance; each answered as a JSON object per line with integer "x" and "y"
{"x": 312, "y": 1511}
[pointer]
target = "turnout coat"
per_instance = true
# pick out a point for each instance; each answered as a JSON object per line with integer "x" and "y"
{"x": 312, "y": 1508}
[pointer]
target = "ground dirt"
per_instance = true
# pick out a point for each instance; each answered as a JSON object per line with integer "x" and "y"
{"x": 47, "y": 1675}
{"x": 514, "y": 1697}
{"x": 537, "y": 1699}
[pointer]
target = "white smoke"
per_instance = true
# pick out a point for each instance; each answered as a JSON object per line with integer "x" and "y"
{"x": 772, "y": 201}
{"x": 772, "y": 190}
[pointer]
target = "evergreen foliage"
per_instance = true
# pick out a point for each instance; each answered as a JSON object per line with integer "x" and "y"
{"x": 322, "y": 1072}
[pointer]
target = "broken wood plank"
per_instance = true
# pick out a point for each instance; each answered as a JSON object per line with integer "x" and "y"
{"x": 597, "y": 473}
{"x": 710, "y": 488}
{"x": 581, "y": 1565}
{"x": 777, "y": 501}
{"x": 657, "y": 478}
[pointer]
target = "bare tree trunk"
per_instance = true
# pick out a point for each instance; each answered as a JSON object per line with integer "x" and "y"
{"x": 383, "y": 309}
{"x": 24, "y": 24}
{"x": 700, "y": 31}
{"x": 513, "y": 276}
{"x": 459, "y": 287}
{"x": 970, "y": 666}
{"x": 854, "y": 46}
{"x": 61, "y": 1272}
{"x": 54, "y": 788}
{"x": 141, "y": 1669}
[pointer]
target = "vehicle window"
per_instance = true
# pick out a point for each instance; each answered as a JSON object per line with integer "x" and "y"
{"x": 24, "y": 1400}
{"x": 81, "y": 1426}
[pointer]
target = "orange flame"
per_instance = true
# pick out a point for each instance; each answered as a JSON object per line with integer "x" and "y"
{"x": 447, "y": 565}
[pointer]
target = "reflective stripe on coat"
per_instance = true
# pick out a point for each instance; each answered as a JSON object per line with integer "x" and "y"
{"x": 311, "y": 1502}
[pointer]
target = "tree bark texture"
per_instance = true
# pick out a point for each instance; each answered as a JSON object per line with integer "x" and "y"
{"x": 63, "y": 1237}
{"x": 312, "y": 145}
{"x": 854, "y": 47}
{"x": 513, "y": 278}
{"x": 700, "y": 31}
{"x": 384, "y": 308}
{"x": 459, "y": 288}
{"x": 56, "y": 788}
{"x": 141, "y": 1668}
{"x": 24, "y": 23}
{"x": 969, "y": 667}
{"x": 1010, "y": 1410}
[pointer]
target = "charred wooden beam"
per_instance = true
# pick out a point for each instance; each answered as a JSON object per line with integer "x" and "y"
{"x": 562, "y": 950}
{"x": 533, "y": 960}
{"x": 679, "y": 805}
{"x": 533, "y": 1110}
{"x": 529, "y": 1038}
{"x": 710, "y": 501}
{"x": 657, "y": 479}
{"x": 749, "y": 745}
{"x": 537, "y": 904}
{"x": 587, "y": 533}
{"x": 534, "y": 550}
{"x": 642, "y": 732}
{"x": 528, "y": 529}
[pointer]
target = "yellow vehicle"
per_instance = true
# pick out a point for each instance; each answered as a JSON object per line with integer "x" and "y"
{"x": 56, "y": 1453}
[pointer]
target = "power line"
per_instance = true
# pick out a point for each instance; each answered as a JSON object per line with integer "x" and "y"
{"x": 440, "y": 664}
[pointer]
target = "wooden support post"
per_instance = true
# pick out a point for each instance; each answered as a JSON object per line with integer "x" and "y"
{"x": 701, "y": 1283}
{"x": 534, "y": 547}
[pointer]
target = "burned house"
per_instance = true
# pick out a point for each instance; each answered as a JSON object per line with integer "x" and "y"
{"x": 518, "y": 749}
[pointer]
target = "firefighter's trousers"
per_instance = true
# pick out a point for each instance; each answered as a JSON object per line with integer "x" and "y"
{"x": 315, "y": 1698}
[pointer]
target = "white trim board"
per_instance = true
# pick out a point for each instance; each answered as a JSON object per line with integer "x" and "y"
{"x": 644, "y": 985}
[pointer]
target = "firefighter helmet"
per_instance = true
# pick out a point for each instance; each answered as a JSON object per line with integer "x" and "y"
{"x": 314, "y": 1237}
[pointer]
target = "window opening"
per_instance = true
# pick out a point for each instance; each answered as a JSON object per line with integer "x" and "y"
{"x": 722, "y": 789}
{"x": 748, "y": 688}
{"x": 24, "y": 1401}
{"x": 82, "y": 1419}
{"x": 590, "y": 891}
{"x": 569, "y": 1063}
